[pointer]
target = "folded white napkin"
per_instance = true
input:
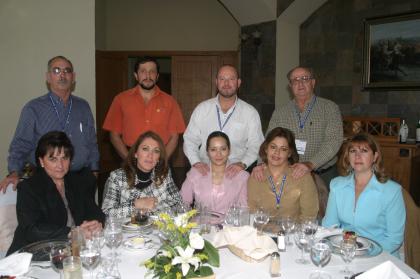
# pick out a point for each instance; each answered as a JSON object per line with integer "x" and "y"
{"x": 15, "y": 264}
{"x": 386, "y": 270}
{"x": 246, "y": 239}
{"x": 323, "y": 232}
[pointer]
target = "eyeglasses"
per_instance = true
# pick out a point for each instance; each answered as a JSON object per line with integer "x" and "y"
{"x": 303, "y": 79}
{"x": 58, "y": 70}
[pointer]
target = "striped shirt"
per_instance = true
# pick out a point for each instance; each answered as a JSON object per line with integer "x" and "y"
{"x": 323, "y": 130}
{"x": 48, "y": 113}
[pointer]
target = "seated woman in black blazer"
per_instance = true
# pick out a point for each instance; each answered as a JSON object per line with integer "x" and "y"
{"x": 53, "y": 200}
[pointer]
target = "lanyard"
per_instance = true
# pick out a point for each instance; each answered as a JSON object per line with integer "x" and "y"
{"x": 63, "y": 125}
{"x": 307, "y": 112}
{"x": 273, "y": 188}
{"x": 227, "y": 119}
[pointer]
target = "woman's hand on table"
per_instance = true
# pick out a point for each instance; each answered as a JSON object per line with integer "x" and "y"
{"x": 88, "y": 227}
{"x": 148, "y": 203}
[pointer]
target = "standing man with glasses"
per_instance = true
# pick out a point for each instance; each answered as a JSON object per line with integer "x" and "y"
{"x": 229, "y": 114}
{"x": 57, "y": 110}
{"x": 316, "y": 123}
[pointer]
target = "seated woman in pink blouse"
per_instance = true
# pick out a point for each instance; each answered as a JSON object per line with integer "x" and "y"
{"x": 215, "y": 190}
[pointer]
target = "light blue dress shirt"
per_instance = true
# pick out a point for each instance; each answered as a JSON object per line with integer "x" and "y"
{"x": 379, "y": 213}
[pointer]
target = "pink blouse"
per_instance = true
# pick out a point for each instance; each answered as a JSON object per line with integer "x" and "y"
{"x": 217, "y": 198}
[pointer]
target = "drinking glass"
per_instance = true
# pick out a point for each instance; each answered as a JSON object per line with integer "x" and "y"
{"x": 302, "y": 241}
{"x": 58, "y": 253}
{"x": 261, "y": 219}
{"x": 90, "y": 256}
{"x": 204, "y": 219}
{"x": 109, "y": 269}
{"x": 310, "y": 226}
{"x": 72, "y": 267}
{"x": 348, "y": 251}
{"x": 320, "y": 256}
{"x": 113, "y": 237}
{"x": 232, "y": 215}
{"x": 287, "y": 224}
{"x": 98, "y": 239}
{"x": 77, "y": 240}
{"x": 141, "y": 216}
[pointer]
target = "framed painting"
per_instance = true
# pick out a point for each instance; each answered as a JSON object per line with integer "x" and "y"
{"x": 392, "y": 52}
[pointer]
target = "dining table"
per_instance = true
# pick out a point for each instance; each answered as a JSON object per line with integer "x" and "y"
{"x": 130, "y": 263}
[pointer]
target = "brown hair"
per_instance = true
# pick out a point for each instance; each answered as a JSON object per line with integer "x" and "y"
{"x": 343, "y": 164}
{"x": 130, "y": 163}
{"x": 281, "y": 133}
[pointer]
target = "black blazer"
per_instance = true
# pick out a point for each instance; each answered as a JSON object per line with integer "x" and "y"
{"x": 41, "y": 212}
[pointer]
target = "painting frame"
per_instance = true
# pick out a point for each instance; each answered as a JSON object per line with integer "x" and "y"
{"x": 391, "y": 52}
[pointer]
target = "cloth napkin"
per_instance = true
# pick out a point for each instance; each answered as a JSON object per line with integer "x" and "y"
{"x": 15, "y": 264}
{"x": 386, "y": 270}
{"x": 245, "y": 238}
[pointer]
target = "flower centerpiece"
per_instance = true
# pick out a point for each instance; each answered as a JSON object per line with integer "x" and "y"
{"x": 184, "y": 253}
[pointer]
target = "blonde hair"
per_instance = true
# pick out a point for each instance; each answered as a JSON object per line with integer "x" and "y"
{"x": 344, "y": 166}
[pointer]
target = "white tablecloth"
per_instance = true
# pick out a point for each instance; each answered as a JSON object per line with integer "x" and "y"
{"x": 233, "y": 267}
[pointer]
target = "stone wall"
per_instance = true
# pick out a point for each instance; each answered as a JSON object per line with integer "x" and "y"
{"x": 258, "y": 68}
{"x": 331, "y": 41}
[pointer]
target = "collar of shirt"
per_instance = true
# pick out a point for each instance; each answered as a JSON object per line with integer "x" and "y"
{"x": 373, "y": 183}
{"x": 307, "y": 104}
{"x": 57, "y": 101}
{"x": 224, "y": 115}
{"x": 155, "y": 95}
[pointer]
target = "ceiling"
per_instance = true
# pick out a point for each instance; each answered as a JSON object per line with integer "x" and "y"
{"x": 248, "y": 12}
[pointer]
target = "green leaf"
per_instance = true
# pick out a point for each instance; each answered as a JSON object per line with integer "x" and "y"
{"x": 213, "y": 253}
{"x": 205, "y": 271}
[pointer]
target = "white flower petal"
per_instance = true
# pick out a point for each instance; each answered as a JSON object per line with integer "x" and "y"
{"x": 185, "y": 267}
{"x": 196, "y": 241}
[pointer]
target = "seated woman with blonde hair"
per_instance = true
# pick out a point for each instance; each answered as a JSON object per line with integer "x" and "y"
{"x": 280, "y": 193}
{"x": 215, "y": 190}
{"x": 364, "y": 200}
{"x": 144, "y": 181}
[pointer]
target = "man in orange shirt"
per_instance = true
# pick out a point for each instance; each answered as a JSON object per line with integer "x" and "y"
{"x": 142, "y": 108}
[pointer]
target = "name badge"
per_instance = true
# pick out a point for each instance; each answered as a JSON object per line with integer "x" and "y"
{"x": 300, "y": 146}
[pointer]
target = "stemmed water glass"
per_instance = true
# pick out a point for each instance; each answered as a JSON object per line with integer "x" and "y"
{"x": 90, "y": 256}
{"x": 113, "y": 237}
{"x": 232, "y": 215}
{"x": 320, "y": 256}
{"x": 348, "y": 251}
{"x": 261, "y": 219}
{"x": 57, "y": 254}
{"x": 98, "y": 239}
{"x": 310, "y": 226}
{"x": 287, "y": 224}
{"x": 302, "y": 241}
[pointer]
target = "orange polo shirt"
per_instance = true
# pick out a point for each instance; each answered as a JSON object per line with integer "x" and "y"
{"x": 129, "y": 116}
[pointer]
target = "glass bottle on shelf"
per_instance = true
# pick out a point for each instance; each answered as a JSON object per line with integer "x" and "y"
{"x": 418, "y": 132}
{"x": 403, "y": 134}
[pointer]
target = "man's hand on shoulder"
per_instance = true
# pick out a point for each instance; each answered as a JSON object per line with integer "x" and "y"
{"x": 258, "y": 172}
{"x": 12, "y": 179}
{"x": 233, "y": 169}
{"x": 300, "y": 169}
{"x": 203, "y": 168}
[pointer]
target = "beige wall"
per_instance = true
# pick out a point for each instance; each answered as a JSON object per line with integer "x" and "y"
{"x": 287, "y": 48}
{"x": 31, "y": 32}
{"x": 178, "y": 25}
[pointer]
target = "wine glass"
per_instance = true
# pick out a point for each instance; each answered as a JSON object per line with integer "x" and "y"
{"x": 288, "y": 224}
{"x": 310, "y": 226}
{"x": 320, "y": 256}
{"x": 232, "y": 215}
{"x": 98, "y": 239}
{"x": 109, "y": 269}
{"x": 261, "y": 219}
{"x": 113, "y": 237}
{"x": 90, "y": 256}
{"x": 348, "y": 251}
{"x": 302, "y": 241}
{"x": 57, "y": 254}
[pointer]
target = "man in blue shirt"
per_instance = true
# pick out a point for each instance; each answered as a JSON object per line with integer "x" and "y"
{"x": 57, "y": 110}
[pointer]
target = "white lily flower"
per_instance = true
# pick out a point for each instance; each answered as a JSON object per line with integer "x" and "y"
{"x": 196, "y": 241}
{"x": 181, "y": 220}
{"x": 186, "y": 258}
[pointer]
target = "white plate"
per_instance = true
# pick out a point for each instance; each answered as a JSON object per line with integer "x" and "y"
{"x": 138, "y": 243}
{"x": 130, "y": 227}
{"x": 362, "y": 243}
